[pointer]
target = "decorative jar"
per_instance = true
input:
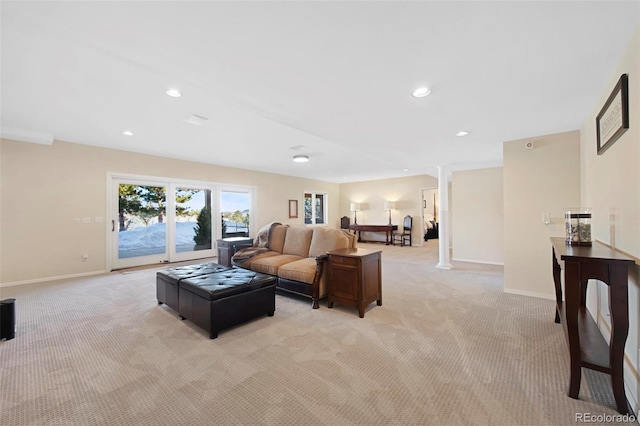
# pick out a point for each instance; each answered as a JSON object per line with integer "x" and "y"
{"x": 578, "y": 226}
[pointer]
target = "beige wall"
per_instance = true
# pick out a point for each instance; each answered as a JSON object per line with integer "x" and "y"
{"x": 45, "y": 187}
{"x": 611, "y": 186}
{"x": 611, "y": 181}
{"x": 543, "y": 179}
{"x": 406, "y": 192}
{"x": 477, "y": 216}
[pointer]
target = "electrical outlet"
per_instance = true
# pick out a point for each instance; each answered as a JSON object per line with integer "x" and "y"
{"x": 86, "y": 220}
{"x": 546, "y": 219}
{"x": 85, "y": 257}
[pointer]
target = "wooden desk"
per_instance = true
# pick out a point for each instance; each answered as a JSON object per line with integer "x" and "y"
{"x": 387, "y": 229}
{"x": 587, "y": 346}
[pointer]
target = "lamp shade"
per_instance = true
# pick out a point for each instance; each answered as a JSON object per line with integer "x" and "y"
{"x": 389, "y": 205}
{"x": 355, "y": 207}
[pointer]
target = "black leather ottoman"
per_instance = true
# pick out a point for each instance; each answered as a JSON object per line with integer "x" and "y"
{"x": 223, "y": 299}
{"x": 167, "y": 280}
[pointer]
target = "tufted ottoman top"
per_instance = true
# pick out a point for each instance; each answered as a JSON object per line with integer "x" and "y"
{"x": 218, "y": 285}
{"x": 173, "y": 275}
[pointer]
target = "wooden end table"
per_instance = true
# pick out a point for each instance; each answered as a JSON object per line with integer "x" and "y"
{"x": 355, "y": 278}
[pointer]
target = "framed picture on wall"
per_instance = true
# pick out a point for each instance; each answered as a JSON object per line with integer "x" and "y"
{"x": 613, "y": 119}
{"x": 293, "y": 209}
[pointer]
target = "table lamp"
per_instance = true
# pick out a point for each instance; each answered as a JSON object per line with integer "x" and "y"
{"x": 355, "y": 207}
{"x": 389, "y": 205}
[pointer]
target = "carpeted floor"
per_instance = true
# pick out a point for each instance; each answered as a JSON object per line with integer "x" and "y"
{"x": 445, "y": 348}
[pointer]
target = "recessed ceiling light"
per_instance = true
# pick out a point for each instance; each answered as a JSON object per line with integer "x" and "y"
{"x": 127, "y": 133}
{"x": 198, "y": 120}
{"x": 462, "y": 133}
{"x": 421, "y": 92}
{"x": 174, "y": 93}
{"x": 301, "y": 158}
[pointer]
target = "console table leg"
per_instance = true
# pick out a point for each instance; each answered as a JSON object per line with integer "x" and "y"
{"x": 574, "y": 382}
{"x": 558, "y": 284}
{"x": 572, "y": 305}
{"x": 618, "y": 297}
{"x": 617, "y": 383}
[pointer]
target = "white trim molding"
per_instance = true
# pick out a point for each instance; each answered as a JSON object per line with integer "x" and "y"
{"x": 58, "y": 277}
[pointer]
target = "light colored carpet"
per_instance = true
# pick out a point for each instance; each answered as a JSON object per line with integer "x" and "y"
{"x": 445, "y": 348}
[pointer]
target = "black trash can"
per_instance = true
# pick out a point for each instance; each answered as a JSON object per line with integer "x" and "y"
{"x": 7, "y": 319}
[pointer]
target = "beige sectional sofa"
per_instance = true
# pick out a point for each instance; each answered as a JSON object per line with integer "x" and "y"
{"x": 296, "y": 256}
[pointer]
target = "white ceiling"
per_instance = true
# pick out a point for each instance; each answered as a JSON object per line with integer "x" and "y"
{"x": 334, "y": 76}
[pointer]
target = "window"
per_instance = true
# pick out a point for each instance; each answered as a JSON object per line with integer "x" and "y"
{"x": 235, "y": 208}
{"x": 315, "y": 208}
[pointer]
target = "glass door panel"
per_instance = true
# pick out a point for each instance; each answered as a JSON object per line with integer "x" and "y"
{"x": 157, "y": 221}
{"x": 141, "y": 235}
{"x": 193, "y": 220}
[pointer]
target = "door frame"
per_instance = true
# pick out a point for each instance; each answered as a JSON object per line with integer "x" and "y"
{"x": 423, "y": 229}
{"x": 170, "y": 183}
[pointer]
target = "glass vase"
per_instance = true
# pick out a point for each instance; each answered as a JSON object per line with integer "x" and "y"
{"x": 578, "y": 226}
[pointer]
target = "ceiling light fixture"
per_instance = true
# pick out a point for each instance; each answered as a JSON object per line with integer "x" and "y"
{"x": 301, "y": 158}
{"x": 421, "y": 92}
{"x": 198, "y": 120}
{"x": 174, "y": 93}
{"x": 462, "y": 133}
{"x": 127, "y": 133}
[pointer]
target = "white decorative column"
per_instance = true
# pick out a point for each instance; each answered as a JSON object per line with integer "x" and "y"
{"x": 443, "y": 218}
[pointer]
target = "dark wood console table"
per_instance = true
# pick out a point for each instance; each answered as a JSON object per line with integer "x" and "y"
{"x": 387, "y": 229}
{"x": 587, "y": 346}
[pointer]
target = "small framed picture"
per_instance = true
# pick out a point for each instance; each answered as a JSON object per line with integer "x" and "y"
{"x": 613, "y": 119}
{"x": 293, "y": 209}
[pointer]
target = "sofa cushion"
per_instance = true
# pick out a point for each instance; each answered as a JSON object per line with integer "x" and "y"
{"x": 297, "y": 241}
{"x": 326, "y": 239}
{"x": 270, "y": 265}
{"x": 248, "y": 262}
{"x": 276, "y": 239}
{"x": 303, "y": 270}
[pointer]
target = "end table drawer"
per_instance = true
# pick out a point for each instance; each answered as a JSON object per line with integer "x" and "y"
{"x": 346, "y": 261}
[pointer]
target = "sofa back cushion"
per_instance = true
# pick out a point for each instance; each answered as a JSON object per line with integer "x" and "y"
{"x": 326, "y": 239}
{"x": 276, "y": 241}
{"x": 297, "y": 241}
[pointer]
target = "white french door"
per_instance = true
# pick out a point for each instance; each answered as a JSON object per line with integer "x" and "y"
{"x": 157, "y": 220}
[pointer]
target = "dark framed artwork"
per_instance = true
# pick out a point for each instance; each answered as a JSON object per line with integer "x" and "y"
{"x": 613, "y": 119}
{"x": 293, "y": 209}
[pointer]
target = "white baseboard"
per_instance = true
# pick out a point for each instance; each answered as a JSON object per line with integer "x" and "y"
{"x": 484, "y": 262}
{"x": 59, "y": 277}
{"x": 530, "y": 294}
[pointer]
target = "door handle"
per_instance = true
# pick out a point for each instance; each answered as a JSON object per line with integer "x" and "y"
{"x": 113, "y": 225}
